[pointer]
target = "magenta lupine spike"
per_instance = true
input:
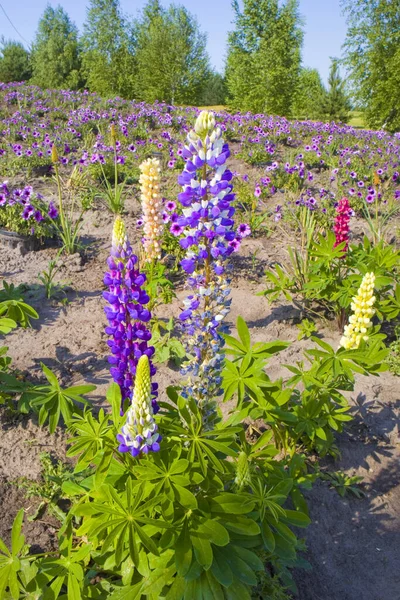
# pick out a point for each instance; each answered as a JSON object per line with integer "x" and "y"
{"x": 342, "y": 221}
{"x": 127, "y": 315}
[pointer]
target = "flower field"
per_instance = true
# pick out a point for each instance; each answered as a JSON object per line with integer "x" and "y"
{"x": 199, "y": 359}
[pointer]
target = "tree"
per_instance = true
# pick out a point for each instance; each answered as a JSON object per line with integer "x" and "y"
{"x": 55, "y": 52}
{"x": 171, "y": 58}
{"x": 214, "y": 92}
{"x": 335, "y": 104}
{"x": 14, "y": 62}
{"x": 264, "y": 56}
{"x": 308, "y": 94}
{"x": 108, "y": 56}
{"x": 372, "y": 57}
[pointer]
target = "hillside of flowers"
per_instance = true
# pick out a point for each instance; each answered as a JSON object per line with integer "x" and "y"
{"x": 200, "y": 351}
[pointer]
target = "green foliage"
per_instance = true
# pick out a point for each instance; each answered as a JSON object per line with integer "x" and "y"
{"x": 47, "y": 279}
{"x": 14, "y": 61}
{"x": 108, "y": 63}
{"x": 10, "y": 560}
{"x": 170, "y": 525}
{"x": 334, "y": 104}
{"x": 13, "y": 307}
{"x": 214, "y": 92}
{"x": 309, "y": 90}
{"x": 263, "y": 63}
{"x": 158, "y": 286}
{"x": 166, "y": 345}
{"x": 330, "y": 278}
{"x": 170, "y": 41}
{"x": 394, "y": 356}
{"x": 307, "y": 415}
{"x": 372, "y": 57}
{"x": 50, "y": 401}
{"x": 307, "y": 328}
{"x": 55, "y": 52}
{"x": 68, "y": 224}
{"x": 49, "y": 489}
{"x": 344, "y": 484}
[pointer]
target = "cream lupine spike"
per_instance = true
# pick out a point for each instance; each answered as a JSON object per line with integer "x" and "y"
{"x": 152, "y": 208}
{"x": 139, "y": 434}
{"x": 363, "y": 311}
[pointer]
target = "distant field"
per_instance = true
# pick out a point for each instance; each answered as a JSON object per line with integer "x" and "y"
{"x": 356, "y": 119}
{"x": 217, "y": 107}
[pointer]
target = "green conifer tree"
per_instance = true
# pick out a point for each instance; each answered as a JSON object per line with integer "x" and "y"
{"x": 335, "y": 104}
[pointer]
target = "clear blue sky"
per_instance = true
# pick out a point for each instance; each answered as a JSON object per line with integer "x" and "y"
{"x": 325, "y": 26}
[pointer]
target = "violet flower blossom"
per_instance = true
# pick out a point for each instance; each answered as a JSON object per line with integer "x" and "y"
{"x": 126, "y": 314}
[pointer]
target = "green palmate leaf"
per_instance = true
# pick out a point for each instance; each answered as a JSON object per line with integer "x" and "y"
{"x": 10, "y": 562}
{"x": 237, "y": 591}
{"x": 183, "y": 551}
{"x": 129, "y": 592}
{"x": 211, "y": 587}
{"x": 6, "y": 325}
{"x": 243, "y": 332}
{"x": 267, "y": 536}
{"x": 221, "y": 569}
{"x": 298, "y": 519}
{"x": 232, "y": 503}
{"x": 202, "y": 550}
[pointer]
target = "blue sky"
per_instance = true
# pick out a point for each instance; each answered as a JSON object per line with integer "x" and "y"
{"x": 325, "y": 26}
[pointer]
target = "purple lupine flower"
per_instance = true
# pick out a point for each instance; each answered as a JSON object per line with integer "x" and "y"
{"x": 126, "y": 314}
{"x": 209, "y": 239}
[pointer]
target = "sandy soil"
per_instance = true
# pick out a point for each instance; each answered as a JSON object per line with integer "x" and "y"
{"x": 353, "y": 544}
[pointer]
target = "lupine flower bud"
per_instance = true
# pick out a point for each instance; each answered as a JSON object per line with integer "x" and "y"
{"x": 113, "y": 133}
{"x": 54, "y": 155}
{"x": 119, "y": 237}
{"x": 139, "y": 435}
{"x": 205, "y": 123}
{"x": 342, "y": 220}
{"x": 363, "y": 311}
{"x": 152, "y": 208}
{"x": 243, "y": 475}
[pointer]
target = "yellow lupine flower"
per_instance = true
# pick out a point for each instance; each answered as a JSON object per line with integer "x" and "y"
{"x": 363, "y": 311}
{"x": 152, "y": 208}
{"x": 119, "y": 233}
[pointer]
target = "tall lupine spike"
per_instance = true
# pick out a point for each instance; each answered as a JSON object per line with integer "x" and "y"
{"x": 363, "y": 311}
{"x": 209, "y": 239}
{"x": 342, "y": 221}
{"x": 126, "y": 314}
{"x": 139, "y": 435}
{"x": 153, "y": 223}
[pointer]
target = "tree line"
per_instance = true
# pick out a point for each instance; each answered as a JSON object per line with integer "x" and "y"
{"x": 161, "y": 55}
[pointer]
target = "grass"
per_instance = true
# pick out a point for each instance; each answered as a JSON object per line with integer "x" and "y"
{"x": 357, "y": 119}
